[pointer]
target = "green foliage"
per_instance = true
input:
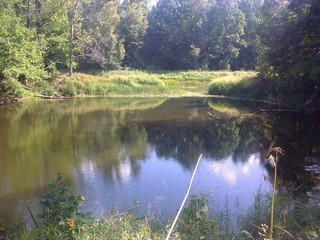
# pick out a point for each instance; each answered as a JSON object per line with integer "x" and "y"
{"x": 248, "y": 51}
{"x": 196, "y": 222}
{"x": 21, "y": 56}
{"x": 293, "y": 217}
{"x": 175, "y": 36}
{"x": 225, "y": 29}
{"x": 289, "y": 36}
{"x": 11, "y": 89}
{"x": 104, "y": 47}
{"x": 132, "y": 29}
{"x": 40, "y": 38}
{"x": 59, "y": 206}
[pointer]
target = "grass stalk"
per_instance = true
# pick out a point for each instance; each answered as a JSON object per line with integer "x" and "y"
{"x": 184, "y": 200}
{"x": 33, "y": 217}
{"x": 274, "y": 162}
{"x": 273, "y": 197}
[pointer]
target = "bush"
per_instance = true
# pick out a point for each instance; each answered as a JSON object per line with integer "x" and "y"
{"x": 196, "y": 222}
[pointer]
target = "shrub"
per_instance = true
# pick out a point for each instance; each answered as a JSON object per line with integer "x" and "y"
{"x": 60, "y": 207}
{"x": 196, "y": 222}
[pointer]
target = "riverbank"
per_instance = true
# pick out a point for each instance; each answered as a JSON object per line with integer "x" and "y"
{"x": 117, "y": 83}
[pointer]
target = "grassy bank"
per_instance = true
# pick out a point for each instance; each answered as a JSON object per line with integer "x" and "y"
{"x": 118, "y": 83}
{"x": 294, "y": 218}
{"x": 246, "y": 85}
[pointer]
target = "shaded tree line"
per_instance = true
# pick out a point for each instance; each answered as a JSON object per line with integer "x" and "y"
{"x": 40, "y": 38}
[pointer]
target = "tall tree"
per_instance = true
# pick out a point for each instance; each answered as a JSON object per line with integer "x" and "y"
{"x": 104, "y": 45}
{"x": 20, "y": 56}
{"x": 290, "y": 38}
{"x": 248, "y": 54}
{"x": 175, "y": 34}
{"x": 270, "y": 31}
{"x": 51, "y": 22}
{"x": 132, "y": 29}
{"x": 74, "y": 23}
{"x": 225, "y": 30}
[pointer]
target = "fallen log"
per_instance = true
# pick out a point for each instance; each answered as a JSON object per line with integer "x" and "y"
{"x": 55, "y": 96}
{"x": 283, "y": 110}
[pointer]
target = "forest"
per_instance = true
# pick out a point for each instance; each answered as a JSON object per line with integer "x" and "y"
{"x": 42, "y": 39}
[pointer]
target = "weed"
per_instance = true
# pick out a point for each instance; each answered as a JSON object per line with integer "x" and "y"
{"x": 196, "y": 222}
{"x": 59, "y": 204}
{"x": 274, "y": 162}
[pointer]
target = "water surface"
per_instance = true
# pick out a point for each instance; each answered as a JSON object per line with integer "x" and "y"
{"x": 140, "y": 153}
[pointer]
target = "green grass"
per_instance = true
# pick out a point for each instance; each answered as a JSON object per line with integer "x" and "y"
{"x": 113, "y": 83}
{"x": 122, "y": 83}
{"x": 236, "y": 85}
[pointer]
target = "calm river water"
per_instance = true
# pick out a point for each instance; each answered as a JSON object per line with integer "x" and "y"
{"x": 140, "y": 153}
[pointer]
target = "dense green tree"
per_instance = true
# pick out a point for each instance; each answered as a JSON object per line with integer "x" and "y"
{"x": 248, "y": 54}
{"x": 50, "y": 20}
{"x": 75, "y": 22}
{"x": 225, "y": 30}
{"x": 20, "y": 54}
{"x": 270, "y": 31}
{"x": 290, "y": 38}
{"x": 132, "y": 29}
{"x": 104, "y": 46}
{"x": 175, "y": 34}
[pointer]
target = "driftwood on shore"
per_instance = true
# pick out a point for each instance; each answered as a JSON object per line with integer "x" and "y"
{"x": 54, "y": 96}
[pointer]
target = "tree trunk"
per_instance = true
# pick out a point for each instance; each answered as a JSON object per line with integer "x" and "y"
{"x": 29, "y": 15}
{"x": 71, "y": 49}
{"x": 73, "y": 11}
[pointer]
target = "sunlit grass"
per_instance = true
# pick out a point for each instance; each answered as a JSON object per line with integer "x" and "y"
{"x": 234, "y": 84}
{"x": 111, "y": 83}
{"x": 134, "y": 83}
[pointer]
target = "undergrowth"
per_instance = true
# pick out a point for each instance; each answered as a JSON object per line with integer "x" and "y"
{"x": 61, "y": 219}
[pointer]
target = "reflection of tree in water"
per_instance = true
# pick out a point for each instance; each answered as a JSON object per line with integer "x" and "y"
{"x": 114, "y": 146}
{"x": 50, "y": 138}
{"x": 216, "y": 139}
{"x": 299, "y": 137}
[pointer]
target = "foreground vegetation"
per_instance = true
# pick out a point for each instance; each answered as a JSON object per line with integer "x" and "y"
{"x": 61, "y": 219}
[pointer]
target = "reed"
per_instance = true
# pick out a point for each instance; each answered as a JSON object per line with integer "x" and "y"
{"x": 274, "y": 162}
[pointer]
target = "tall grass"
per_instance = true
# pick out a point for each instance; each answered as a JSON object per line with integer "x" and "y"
{"x": 139, "y": 82}
{"x": 124, "y": 82}
{"x": 236, "y": 85}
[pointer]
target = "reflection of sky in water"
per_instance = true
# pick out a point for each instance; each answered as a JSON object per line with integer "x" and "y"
{"x": 162, "y": 183}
